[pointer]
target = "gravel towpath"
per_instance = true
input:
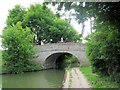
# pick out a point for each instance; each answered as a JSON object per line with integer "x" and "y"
{"x": 75, "y": 79}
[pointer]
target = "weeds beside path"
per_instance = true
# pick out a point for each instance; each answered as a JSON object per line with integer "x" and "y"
{"x": 0, "y": 61}
{"x": 98, "y": 81}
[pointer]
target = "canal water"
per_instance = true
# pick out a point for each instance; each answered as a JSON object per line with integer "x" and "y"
{"x": 41, "y": 79}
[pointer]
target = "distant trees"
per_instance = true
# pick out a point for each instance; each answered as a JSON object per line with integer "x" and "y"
{"x": 46, "y": 26}
{"x": 62, "y": 28}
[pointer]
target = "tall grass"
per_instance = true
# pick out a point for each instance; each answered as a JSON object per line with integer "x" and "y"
{"x": 0, "y": 55}
{"x": 98, "y": 81}
{"x": 0, "y": 61}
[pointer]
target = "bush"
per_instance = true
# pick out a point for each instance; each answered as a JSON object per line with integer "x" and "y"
{"x": 18, "y": 48}
{"x": 103, "y": 50}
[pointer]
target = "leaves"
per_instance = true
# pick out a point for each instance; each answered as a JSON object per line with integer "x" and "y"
{"x": 18, "y": 48}
{"x": 16, "y": 14}
{"x": 103, "y": 50}
{"x": 46, "y": 26}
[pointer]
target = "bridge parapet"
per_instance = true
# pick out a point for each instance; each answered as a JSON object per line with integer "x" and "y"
{"x": 60, "y": 47}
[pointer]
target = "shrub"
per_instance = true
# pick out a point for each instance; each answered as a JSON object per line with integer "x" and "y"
{"x": 103, "y": 50}
{"x": 18, "y": 48}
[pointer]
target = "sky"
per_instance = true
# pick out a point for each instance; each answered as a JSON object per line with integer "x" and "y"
{"x": 6, "y": 5}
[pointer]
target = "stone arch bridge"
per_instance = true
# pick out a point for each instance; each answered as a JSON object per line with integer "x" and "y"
{"x": 48, "y": 54}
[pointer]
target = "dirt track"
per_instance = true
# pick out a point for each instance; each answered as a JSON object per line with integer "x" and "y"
{"x": 75, "y": 79}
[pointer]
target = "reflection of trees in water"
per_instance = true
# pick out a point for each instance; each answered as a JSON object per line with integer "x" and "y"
{"x": 54, "y": 77}
{"x": 40, "y": 79}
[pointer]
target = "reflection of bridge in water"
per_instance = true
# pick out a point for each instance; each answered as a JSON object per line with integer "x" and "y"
{"x": 48, "y": 54}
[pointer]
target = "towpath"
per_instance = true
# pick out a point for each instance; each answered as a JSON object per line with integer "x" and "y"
{"x": 75, "y": 79}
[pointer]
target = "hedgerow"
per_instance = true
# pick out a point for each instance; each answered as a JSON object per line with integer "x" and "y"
{"x": 103, "y": 51}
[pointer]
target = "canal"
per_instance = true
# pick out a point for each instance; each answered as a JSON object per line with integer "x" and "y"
{"x": 41, "y": 79}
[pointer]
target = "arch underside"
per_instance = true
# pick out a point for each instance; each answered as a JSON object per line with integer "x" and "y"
{"x": 51, "y": 61}
{"x": 48, "y": 59}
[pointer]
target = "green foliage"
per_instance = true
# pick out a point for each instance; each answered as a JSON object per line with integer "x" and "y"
{"x": 39, "y": 19}
{"x": 0, "y": 61}
{"x": 102, "y": 11}
{"x": 0, "y": 56}
{"x": 67, "y": 61}
{"x": 16, "y": 14}
{"x": 18, "y": 48}
{"x": 98, "y": 81}
{"x": 70, "y": 61}
{"x": 103, "y": 50}
{"x": 103, "y": 47}
{"x": 62, "y": 28}
{"x": 46, "y": 26}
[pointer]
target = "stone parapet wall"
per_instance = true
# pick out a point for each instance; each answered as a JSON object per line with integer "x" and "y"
{"x": 60, "y": 47}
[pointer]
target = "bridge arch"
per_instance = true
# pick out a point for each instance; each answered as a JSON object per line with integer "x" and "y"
{"x": 48, "y": 51}
{"x": 52, "y": 59}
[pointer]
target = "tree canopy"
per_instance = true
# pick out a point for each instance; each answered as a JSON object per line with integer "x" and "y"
{"x": 101, "y": 11}
{"x": 46, "y": 26}
{"x": 16, "y": 14}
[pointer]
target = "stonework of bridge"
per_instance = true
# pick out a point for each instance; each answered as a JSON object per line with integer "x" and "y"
{"x": 48, "y": 54}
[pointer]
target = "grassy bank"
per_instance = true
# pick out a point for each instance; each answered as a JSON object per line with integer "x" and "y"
{"x": 0, "y": 61}
{"x": 97, "y": 81}
{"x": 0, "y": 57}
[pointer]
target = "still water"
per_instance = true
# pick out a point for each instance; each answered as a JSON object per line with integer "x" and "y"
{"x": 41, "y": 79}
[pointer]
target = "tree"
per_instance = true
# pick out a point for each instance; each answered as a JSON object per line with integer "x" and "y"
{"x": 16, "y": 14}
{"x": 63, "y": 29}
{"x": 18, "y": 48}
{"x": 105, "y": 58}
{"x": 80, "y": 12}
{"x": 45, "y": 25}
{"x": 39, "y": 18}
{"x": 103, "y": 50}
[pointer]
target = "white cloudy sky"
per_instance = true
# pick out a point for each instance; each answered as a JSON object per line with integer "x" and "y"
{"x": 6, "y": 5}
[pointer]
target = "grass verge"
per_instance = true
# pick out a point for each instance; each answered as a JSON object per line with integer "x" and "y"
{"x": 0, "y": 61}
{"x": 98, "y": 81}
{"x": 0, "y": 57}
